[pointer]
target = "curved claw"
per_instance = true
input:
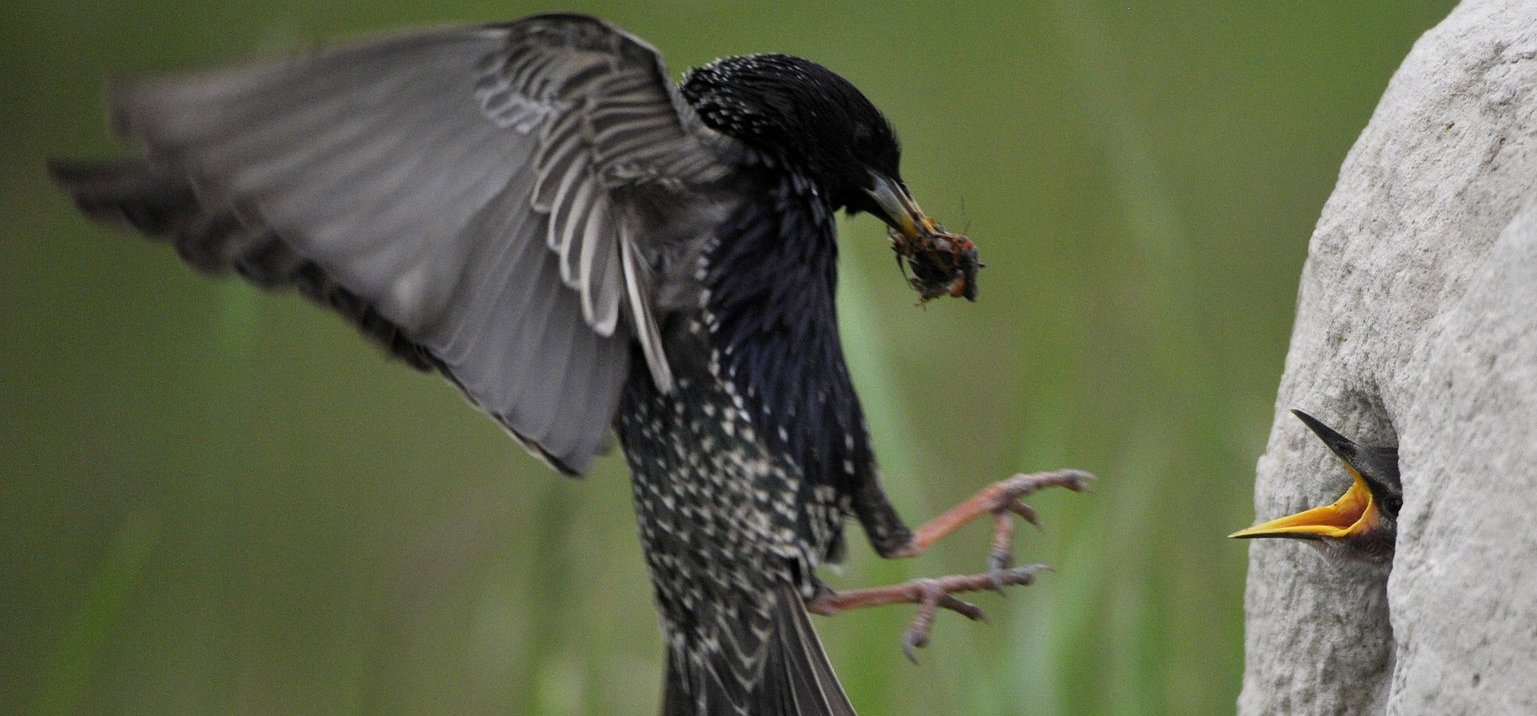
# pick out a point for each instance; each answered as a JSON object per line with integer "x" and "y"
{"x": 912, "y": 641}
{"x": 963, "y": 608}
{"x": 930, "y": 597}
{"x": 1025, "y": 512}
{"x": 1024, "y": 576}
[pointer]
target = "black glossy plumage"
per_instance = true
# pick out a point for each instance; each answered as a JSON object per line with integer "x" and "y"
{"x": 744, "y": 475}
{"x": 536, "y": 212}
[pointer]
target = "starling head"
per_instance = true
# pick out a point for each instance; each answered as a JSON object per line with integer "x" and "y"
{"x": 805, "y": 117}
{"x": 1362, "y": 523}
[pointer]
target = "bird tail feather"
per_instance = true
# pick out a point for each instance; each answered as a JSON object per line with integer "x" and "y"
{"x": 797, "y": 679}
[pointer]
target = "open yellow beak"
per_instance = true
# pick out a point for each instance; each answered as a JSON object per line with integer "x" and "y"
{"x": 1354, "y": 513}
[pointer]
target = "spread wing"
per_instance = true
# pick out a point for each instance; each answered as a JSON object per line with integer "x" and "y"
{"x": 469, "y": 196}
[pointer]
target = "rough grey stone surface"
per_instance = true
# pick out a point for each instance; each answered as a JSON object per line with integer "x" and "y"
{"x": 1417, "y": 325}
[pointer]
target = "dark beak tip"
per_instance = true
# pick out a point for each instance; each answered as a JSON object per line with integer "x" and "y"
{"x": 1307, "y": 419}
{"x": 1328, "y": 435}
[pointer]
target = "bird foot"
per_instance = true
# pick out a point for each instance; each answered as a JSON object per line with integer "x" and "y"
{"x": 1005, "y": 499}
{"x": 930, "y": 595}
{"x": 1002, "y": 501}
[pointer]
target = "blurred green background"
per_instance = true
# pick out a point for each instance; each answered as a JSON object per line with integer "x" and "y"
{"x": 219, "y": 501}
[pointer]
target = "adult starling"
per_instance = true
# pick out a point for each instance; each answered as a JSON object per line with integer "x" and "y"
{"x": 1363, "y": 523}
{"x": 536, "y": 212}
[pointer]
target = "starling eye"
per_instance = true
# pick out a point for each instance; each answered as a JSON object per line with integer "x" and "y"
{"x": 865, "y": 140}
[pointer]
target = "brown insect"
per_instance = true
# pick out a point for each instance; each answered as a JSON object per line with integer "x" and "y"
{"x": 941, "y": 262}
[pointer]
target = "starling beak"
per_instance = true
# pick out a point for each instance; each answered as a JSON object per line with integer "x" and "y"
{"x": 898, "y": 209}
{"x": 536, "y": 212}
{"x": 1362, "y": 523}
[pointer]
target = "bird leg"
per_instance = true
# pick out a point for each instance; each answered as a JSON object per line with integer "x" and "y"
{"x": 1001, "y": 500}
